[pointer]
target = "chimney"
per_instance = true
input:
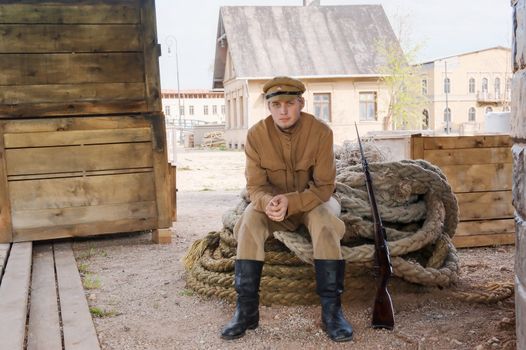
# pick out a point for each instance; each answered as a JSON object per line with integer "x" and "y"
{"x": 311, "y": 2}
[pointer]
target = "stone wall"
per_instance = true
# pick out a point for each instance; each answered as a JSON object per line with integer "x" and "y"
{"x": 518, "y": 132}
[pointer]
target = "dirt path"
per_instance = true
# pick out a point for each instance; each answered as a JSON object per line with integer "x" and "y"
{"x": 145, "y": 305}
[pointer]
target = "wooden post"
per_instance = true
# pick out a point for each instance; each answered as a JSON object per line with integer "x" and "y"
{"x": 162, "y": 236}
{"x": 6, "y": 233}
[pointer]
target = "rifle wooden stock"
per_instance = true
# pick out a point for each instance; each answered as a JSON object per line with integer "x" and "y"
{"x": 383, "y": 316}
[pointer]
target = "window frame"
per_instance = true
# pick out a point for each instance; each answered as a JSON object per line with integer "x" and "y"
{"x": 321, "y": 105}
{"x": 367, "y": 103}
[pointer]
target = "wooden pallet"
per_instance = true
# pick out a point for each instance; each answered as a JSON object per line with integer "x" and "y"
{"x": 47, "y": 279}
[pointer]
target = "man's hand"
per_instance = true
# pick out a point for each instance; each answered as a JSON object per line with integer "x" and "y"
{"x": 277, "y": 208}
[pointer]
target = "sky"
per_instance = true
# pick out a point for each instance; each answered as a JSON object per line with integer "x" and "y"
{"x": 188, "y": 28}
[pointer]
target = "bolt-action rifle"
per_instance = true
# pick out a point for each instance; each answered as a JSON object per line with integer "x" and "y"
{"x": 383, "y": 306}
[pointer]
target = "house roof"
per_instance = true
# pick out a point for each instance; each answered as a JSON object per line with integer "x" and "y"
{"x": 467, "y": 53}
{"x": 301, "y": 41}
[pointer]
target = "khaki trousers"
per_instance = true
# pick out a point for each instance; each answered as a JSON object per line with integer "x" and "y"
{"x": 325, "y": 228}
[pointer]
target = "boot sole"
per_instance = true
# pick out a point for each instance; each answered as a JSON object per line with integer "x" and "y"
{"x": 237, "y": 336}
{"x": 338, "y": 340}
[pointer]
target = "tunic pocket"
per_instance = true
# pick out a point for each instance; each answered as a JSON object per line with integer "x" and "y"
{"x": 276, "y": 173}
{"x": 303, "y": 173}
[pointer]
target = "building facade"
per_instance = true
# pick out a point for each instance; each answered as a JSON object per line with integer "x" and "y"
{"x": 461, "y": 89}
{"x": 193, "y": 107}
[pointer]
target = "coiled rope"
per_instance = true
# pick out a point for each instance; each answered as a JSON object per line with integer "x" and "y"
{"x": 418, "y": 209}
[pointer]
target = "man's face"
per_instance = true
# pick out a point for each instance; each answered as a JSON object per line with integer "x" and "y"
{"x": 286, "y": 113}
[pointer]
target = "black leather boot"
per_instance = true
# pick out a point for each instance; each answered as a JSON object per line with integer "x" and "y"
{"x": 329, "y": 286}
{"x": 247, "y": 278}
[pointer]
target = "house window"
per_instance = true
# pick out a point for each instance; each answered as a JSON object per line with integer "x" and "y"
{"x": 191, "y": 110}
{"x": 508, "y": 86}
{"x": 485, "y": 85}
{"x": 223, "y": 109}
{"x": 424, "y": 87}
{"x": 167, "y": 110}
{"x": 471, "y": 85}
{"x": 214, "y": 109}
{"x": 181, "y": 110}
{"x": 447, "y": 114}
{"x": 322, "y": 106}
{"x": 447, "y": 86}
{"x": 205, "y": 110}
{"x": 497, "y": 88}
{"x": 368, "y": 106}
{"x": 425, "y": 119}
{"x": 472, "y": 114}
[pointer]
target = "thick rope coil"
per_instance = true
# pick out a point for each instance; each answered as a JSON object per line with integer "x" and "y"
{"x": 418, "y": 209}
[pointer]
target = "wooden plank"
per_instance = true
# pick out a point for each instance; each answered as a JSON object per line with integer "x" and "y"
{"x": 5, "y": 205}
{"x": 62, "y": 68}
{"x": 78, "y": 38}
{"x": 66, "y": 124}
{"x": 485, "y": 227}
{"x": 44, "y": 322}
{"x": 13, "y": 178}
{"x": 14, "y": 292}
{"x": 83, "y": 230}
{"x": 477, "y": 141}
{"x": 54, "y": 12}
{"x": 4, "y": 252}
{"x": 76, "y": 137}
{"x": 483, "y": 240}
{"x": 39, "y": 218}
{"x": 162, "y": 177}
{"x": 39, "y": 110}
{"x": 417, "y": 147}
{"x": 77, "y": 324}
{"x": 162, "y": 236}
{"x": 173, "y": 187}
{"x": 467, "y": 156}
{"x": 81, "y": 192}
{"x": 36, "y": 95}
{"x": 485, "y": 205}
{"x": 481, "y": 177}
{"x": 22, "y": 161}
{"x": 151, "y": 56}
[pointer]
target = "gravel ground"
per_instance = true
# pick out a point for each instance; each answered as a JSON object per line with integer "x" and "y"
{"x": 144, "y": 303}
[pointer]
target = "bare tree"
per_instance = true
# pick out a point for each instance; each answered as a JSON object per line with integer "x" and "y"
{"x": 403, "y": 81}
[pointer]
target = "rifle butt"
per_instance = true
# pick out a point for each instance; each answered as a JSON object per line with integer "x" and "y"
{"x": 383, "y": 315}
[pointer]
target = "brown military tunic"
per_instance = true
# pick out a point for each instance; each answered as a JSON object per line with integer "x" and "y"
{"x": 298, "y": 163}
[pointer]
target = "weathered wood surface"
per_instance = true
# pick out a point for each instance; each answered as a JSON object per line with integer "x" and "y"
{"x": 5, "y": 205}
{"x": 67, "y": 12}
{"x": 79, "y": 331}
{"x": 21, "y": 161}
{"x": 78, "y": 58}
{"x": 84, "y": 230}
{"x": 61, "y": 38}
{"x": 76, "y": 137}
{"x": 4, "y": 252}
{"x": 44, "y": 321}
{"x": 479, "y": 170}
{"x": 483, "y": 240}
{"x": 14, "y": 292}
{"x": 458, "y": 142}
{"x": 485, "y": 205}
{"x": 478, "y": 177}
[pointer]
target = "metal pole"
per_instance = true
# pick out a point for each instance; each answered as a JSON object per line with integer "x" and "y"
{"x": 448, "y": 112}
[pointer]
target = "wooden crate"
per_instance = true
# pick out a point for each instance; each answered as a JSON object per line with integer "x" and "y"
{"x": 66, "y": 57}
{"x": 62, "y": 177}
{"x": 82, "y": 135}
{"x": 479, "y": 170}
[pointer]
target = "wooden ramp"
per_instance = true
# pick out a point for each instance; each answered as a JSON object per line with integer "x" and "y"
{"x": 46, "y": 278}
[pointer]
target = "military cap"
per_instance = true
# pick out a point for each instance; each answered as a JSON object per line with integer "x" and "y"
{"x": 283, "y": 88}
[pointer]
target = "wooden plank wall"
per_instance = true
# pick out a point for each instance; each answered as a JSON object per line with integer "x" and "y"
{"x": 85, "y": 176}
{"x": 67, "y": 57}
{"x": 479, "y": 170}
